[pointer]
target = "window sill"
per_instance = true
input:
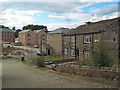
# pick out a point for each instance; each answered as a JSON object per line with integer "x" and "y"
{"x": 86, "y": 43}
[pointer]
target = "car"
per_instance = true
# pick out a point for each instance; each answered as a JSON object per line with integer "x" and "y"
{"x": 35, "y": 46}
{"x": 7, "y": 42}
{"x": 41, "y": 54}
{"x": 44, "y": 54}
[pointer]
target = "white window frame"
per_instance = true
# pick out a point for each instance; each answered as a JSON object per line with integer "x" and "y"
{"x": 72, "y": 52}
{"x": 66, "y": 51}
{"x": 51, "y": 35}
{"x": 86, "y": 55}
{"x": 86, "y": 38}
{"x": 72, "y": 38}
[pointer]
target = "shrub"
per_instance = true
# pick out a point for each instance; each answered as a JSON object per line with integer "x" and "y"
{"x": 101, "y": 56}
{"x": 40, "y": 61}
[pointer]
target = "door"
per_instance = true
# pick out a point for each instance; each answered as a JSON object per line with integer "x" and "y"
{"x": 77, "y": 53}
{"x": 48, "y": 51}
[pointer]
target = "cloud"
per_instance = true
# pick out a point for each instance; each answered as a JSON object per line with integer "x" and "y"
{"x": 108, "y": 9}
{"x": 46, "y": 7}
{"x": 19, "y": 14}
{"x": 54, "y": 16}
{"x": 16, "y": 18}
{"x": 66, "y": 18}
{"x": 53, "y": 26}
{"x": 61, "y": 1}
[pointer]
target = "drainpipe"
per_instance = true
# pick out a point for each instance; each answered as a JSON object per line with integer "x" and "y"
{"x": 119, "y": 42}
{"x": 75, "y": 47}
{"x": 63, "y": 46}
{"x": 92, "y": 42}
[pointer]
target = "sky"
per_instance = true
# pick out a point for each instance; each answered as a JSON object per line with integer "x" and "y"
{"x": 55, "y": 14}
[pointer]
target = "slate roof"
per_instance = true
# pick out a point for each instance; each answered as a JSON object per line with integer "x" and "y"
{"x": 24, "y": 31}
{"x": 5, "y": 30}
{"x": 47, "y": 46}
{"x": 92, "y": 27}
{"x": 36, "y": 31}
{"x": 60, "y": 30}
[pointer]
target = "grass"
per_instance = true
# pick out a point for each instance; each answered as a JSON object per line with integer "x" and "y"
{"x": 49, "y": 58}
{"x": 32, "y": 59}
{"x": 53, "y": 58}
{"x": 11, "y": 58}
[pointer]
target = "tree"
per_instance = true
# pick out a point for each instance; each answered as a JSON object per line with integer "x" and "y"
{"x": 2, "y": 26}
{"x": 13, "y": 28}
{"x": 101, "y": 56}
{"x": 16, "y": 33}
{"x": 35, "y": 27}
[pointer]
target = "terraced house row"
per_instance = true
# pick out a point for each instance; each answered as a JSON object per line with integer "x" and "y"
{"x": 81, "y": 41}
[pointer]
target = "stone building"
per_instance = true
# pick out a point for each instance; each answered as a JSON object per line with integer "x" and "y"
{"x": 81, "y": 41}
{"x": 41, "y": 38}
{"x": 32, "y": 37}
{"x": 54, "y": 41}
{"x": 7, "y": 35}
{"x": 27, "y": 37}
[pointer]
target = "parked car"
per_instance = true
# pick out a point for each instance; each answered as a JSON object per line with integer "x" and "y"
{"x": 7, "y": 42}
{"x": 36, "y": 46}
{"x": 41, "y": 54}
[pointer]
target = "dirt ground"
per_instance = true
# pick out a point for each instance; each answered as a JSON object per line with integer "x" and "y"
{"x": 18, "y": 75}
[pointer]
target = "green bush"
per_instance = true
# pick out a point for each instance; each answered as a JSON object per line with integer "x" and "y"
{"x": 40, "y": 61}
{"x": 101, "y": 56}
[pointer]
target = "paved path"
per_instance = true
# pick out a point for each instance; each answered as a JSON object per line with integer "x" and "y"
{"x": 18, "y": 75}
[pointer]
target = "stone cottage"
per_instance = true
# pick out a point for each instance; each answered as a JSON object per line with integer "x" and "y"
{"x": 81, "y": 41}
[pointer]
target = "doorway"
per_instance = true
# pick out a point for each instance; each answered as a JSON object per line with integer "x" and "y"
{"x": 48, "y": 51}
{"x": 77, "y": 53}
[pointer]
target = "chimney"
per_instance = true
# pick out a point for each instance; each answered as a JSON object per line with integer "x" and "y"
{"x": 88, "y": 23}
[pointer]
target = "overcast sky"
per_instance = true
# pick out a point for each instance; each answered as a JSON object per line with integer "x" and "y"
{"x": 56, "y": 14}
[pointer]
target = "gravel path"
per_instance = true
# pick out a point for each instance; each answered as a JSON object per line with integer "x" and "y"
{"x": 19, "y": 75}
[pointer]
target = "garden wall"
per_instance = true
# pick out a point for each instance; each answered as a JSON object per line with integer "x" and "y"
{"x": 103, "y": 72}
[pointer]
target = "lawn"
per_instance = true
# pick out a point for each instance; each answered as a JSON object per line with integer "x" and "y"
{"x": 53, "y": 58}
{"x": 49, "y": 58}
{"x": 11, "y": 58}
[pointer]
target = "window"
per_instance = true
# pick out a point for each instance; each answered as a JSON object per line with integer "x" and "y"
{"x": 29, "y": 42}
{"x": 72, "y": 39}
{"x": 51, "y": 35}
{"x": 51, "y": 42}
{"x": 86, "y": 55}
{"x": 28, "y": 35}
{"x": 96, "y": 41}
{"x": 86, "y": 38}
{"x": 66, "y": 51}
{"x": 115, "y": 39}
{"x": 43, "y": 37}
{"x": 72, "y": 52}
{"x": 29, "y": 39}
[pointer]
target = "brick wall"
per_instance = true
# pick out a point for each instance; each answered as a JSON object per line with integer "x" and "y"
{"x": 8, "y": 36}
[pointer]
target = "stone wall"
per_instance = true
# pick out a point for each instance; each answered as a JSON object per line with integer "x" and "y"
{"x": 103, "y": 72}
